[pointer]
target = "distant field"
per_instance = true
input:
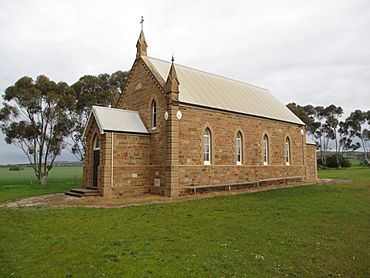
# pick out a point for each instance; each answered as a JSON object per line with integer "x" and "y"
{"x": 355, "y": 172}
{"x": 19, "y": 184}
{"x": 308, "y": 231}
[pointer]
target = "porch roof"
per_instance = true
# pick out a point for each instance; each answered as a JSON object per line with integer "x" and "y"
{"x": 118, "y": 120}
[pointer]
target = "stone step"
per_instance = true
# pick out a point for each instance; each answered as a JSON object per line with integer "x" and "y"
{"x": 70, "y": 193}
{"x": 80, "y": 192}
{"x": 84, "y": 190}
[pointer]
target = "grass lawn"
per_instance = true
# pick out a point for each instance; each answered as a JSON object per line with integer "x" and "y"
{"x": 309, "y": 231}
{"x": 21, "y": 184}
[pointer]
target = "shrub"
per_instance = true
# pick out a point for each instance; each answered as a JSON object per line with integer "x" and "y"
{"x": 364, "y": 162}
{"x": 16, "y": 168}
{"x": 346, "y": 163}
{"x": 331, "y": 161}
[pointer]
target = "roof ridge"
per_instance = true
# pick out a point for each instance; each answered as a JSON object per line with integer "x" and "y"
{"x": 217, "y": 75}
{"x": 118, "y": 109}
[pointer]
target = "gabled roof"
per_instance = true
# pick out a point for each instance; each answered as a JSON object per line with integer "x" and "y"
{"x": 209, "y": 90}
{"x": 118, "y": 120}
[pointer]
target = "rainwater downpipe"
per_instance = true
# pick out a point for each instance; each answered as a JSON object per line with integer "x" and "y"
{"x": 111, "y": 168}
{"x": 303, "y": 152}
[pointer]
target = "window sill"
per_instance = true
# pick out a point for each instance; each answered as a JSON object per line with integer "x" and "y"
{"x": 207, "y": 163}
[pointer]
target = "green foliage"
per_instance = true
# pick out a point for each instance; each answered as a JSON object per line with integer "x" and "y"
{"x": 325, "y": 125}
{"x": 35, "y": 118}
{"x": 355, "y": 126}
{"x": 332, "y": 161}
{"x": 16, "y": 168}
{"x": 101, "y": 90}
{"x": 346, "y": 163}
{"x": 305, "y": 113}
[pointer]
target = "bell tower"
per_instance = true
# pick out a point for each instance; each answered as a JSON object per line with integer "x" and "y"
{"x": 141, "y": 44}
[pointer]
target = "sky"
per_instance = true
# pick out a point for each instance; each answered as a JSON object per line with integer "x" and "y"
{"x": 308, "y": 52}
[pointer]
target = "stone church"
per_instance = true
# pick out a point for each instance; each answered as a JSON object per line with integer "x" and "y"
{"x": 176, "y": 130}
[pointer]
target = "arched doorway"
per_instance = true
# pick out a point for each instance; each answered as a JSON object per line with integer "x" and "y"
{"x": 96, "y": 158}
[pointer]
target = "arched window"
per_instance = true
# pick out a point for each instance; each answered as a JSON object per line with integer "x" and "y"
{"x": 207, "y": 146}
{"x": 154, "y": 114}
{"x": 239, "y": 148}
{"x": 287, "y": 151}
{"x": 265, "y": 150}
{"x": 96, "y": 142}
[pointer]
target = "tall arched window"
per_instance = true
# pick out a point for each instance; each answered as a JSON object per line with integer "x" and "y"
{"x": 154, "y": 114}
{"x": 265, "y": 150}
{"x": 287, "y": 151}
{"x": 207, "y": 146}
{"x": 239, "y": 149}
{"x": 96, "y": 142}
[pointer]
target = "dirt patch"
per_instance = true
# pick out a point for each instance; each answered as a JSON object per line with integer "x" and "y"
{"x": 62, "y": 200}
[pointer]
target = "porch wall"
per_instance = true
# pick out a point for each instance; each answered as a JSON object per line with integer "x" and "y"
{"x": 311, "y": 163}
{"x": 131, "y": 164}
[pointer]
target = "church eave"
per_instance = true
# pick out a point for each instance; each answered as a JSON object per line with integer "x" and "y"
{"x": 238, "y": 112}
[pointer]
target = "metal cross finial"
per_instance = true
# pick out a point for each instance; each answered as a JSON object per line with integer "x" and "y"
{"x": 142, "y": 23}
{"x": 172, "y": 59}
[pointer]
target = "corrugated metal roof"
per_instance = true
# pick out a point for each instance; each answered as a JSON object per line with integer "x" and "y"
{"x": 209, "y": 90}
{"x": 119, "y": 120}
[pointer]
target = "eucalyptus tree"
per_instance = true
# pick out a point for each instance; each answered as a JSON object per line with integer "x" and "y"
{"x": 357, "y": 124}
{"x": 35, "y": 118}
{"x": 101, "y": 90}
{"x": 333, "y": 113}
{"x": 305, "y": 114}
{"x": 347, "y": 142}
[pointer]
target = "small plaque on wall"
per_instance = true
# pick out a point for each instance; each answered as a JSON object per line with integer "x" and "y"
{"x": 157, "y": 182}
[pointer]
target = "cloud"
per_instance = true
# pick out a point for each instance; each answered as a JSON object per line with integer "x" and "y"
{"x": 314, "y": 52}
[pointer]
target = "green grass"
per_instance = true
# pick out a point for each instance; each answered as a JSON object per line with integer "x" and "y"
{"x": 21, "y": 184}
{"x": 355, "y": 172}
{"x": 309, "y": 231}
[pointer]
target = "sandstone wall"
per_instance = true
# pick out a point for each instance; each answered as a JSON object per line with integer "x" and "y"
{"x": 224, "y": 128}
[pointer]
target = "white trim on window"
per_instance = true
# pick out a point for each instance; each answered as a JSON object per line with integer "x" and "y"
{"x": 265, "y": 150}
{"x": 287, "y": 151}
{"x": 96, "y": 142}
{"x": 239, "y": 149}
{"x": 207, "y": 147}
{"x": 154, "y": 114}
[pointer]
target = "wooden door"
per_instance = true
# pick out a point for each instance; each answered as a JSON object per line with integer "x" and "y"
{"x": 95, "y": 167}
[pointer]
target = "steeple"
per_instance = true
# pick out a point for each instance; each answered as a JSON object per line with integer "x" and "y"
{"x": 172, "y": 82}
{"x": 141, "y": 43}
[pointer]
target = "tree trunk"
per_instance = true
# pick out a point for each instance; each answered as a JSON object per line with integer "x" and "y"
{"x": 364, "y": 146}
{"x": 339, "y": 166}
{"x": 42, "y": 179}
{"x": 367, "y": 159}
